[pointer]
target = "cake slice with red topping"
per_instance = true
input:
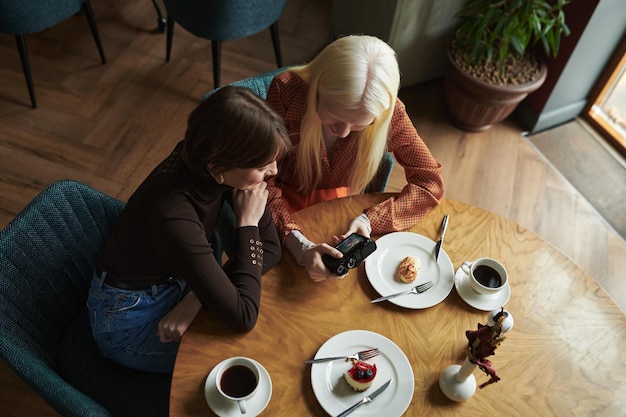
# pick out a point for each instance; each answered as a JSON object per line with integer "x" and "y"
{"x": 361, "y": 376}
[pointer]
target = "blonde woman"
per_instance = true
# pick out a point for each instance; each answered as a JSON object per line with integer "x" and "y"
{"x": 342, "y": 114}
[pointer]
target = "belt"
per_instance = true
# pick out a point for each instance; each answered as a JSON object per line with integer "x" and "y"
{"x": 123, "y": 285}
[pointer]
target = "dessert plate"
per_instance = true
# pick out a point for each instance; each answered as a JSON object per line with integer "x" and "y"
{"x": 381, "y": 267}
{"x": 483, "y": 302}
{"x": 225, "y": 408}
{"x": 335, "y": 395}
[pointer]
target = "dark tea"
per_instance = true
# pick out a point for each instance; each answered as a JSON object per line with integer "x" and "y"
{"x": 238, "y": 381}
{"x": 487, "y": 276}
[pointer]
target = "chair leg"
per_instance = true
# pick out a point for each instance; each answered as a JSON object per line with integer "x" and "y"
{"x": 276, "y": 42}
{"x": 21, "y": 47}
{"x": 160, "y": 20}
{"x": 169, "y": 36}
{"x": 216, "y": 49}
{"x": 94, "y": 29}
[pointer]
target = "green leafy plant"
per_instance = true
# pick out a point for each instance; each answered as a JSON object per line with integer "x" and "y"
{"x": 503, "y": 30}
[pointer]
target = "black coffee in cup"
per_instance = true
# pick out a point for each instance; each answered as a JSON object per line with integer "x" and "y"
{"x": 238, "y": 381}
{"x": 487, "y": 276}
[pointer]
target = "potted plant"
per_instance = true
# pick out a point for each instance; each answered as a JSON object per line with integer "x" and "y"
{"x": 494, "y": 60}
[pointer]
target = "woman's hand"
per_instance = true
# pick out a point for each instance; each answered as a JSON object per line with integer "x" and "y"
{"x": 357, "y": 226}
{"x": 312, "y": 261}
{"x": 176, "y": 322}
{"x": 249, "y": 205}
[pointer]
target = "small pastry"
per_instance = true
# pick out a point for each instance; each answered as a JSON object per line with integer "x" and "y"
{"x": 409, "y": 269}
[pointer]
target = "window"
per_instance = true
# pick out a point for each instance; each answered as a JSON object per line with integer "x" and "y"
{"x": 606, "y": 110}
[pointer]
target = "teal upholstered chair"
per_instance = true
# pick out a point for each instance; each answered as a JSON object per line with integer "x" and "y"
{"x": 47, "y": 255}
{"x": 22, "y": 17}
{"x": 222, "y": 20}
{"x": 260, "y": 84}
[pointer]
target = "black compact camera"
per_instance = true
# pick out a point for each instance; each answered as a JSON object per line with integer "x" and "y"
{"x": 355, "y": 248}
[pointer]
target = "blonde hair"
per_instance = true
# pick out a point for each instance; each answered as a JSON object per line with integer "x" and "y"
{"x": 357, "y": 72}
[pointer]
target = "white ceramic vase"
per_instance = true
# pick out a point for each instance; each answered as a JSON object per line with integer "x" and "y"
{"x": 457, "y": 381}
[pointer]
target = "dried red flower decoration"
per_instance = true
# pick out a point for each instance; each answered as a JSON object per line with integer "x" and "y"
{"x": 483, "y": 343}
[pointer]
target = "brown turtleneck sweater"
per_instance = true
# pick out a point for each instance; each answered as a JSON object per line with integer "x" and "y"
{"x": 165, "y": 229}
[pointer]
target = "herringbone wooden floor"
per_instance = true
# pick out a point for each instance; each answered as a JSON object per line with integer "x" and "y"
{"x": 108, "y": 125}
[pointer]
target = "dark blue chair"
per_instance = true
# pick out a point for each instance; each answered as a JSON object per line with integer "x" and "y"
{"x": 47, "y": 255}
{"x": 222, "y": 20}
{"x": 22, "y": 17}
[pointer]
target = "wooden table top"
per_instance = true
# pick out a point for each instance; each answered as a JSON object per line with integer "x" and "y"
{"x": 566, "y": 354}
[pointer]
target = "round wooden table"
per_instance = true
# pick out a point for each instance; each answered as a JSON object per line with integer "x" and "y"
{"x": 564, "y": 356}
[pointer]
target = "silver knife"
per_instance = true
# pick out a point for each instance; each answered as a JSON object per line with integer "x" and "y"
{"x": 366, "y": 399}
{"x": 443, "y": 233}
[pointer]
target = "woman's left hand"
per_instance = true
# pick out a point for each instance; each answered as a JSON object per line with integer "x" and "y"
{"x": 249, "y": 205}
{"x": 176, "y": 322}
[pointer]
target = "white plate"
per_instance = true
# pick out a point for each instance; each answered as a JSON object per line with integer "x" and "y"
{"x": 480, "y": 301}
{"x": 335, "y": 395}
{"x": 391, "y": 249}
{"x": 225, "y": 408}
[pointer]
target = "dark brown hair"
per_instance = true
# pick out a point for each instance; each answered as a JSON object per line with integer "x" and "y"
{"x": 234, "y": 128}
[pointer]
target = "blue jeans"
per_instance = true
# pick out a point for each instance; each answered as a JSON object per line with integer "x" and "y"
{"x": 124, "y": 323}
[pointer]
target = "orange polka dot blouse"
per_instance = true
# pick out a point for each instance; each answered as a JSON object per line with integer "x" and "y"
{"x": 287, "y": 94}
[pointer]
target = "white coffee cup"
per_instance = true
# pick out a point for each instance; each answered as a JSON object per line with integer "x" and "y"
{"x": 486, "y": 275}
{"x": 238, "y": 379}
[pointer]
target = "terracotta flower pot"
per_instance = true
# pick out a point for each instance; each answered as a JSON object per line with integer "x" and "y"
{"x": 476, "y": 105}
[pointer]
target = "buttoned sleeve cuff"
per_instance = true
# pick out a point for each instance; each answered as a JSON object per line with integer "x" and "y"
{"x": 250, "y": 248}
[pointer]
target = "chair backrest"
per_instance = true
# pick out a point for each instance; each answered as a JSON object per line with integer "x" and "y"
{"x": 20, "y": 17}
{"x": 47, "y": 254}
{"x": 259, "y": 84}
{"x": 380, "y": 180}
{"x": 224, "y": 19}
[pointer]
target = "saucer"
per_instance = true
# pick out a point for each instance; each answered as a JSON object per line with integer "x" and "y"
{"x": 483, "y": 302}
{"x": 225, "y": 408}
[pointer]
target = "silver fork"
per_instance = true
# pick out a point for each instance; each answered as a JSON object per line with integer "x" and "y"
{"x": 418, "y": 289}
{"x": 361, "y": 356}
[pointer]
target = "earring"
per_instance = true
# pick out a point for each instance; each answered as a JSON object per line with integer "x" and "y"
{"x": 219, "y": 178}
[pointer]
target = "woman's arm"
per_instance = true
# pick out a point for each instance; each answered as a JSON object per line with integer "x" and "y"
{"x": 423, "y": 173}
{"x": 272, "y": 250}
{"x": 287, "y": 96}
{"x": 234, "y": 297}
{"x": 176, "y": 322}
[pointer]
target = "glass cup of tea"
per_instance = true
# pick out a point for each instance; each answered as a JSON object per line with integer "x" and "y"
{"x": 237, "y": 379}
{"x": 486, "y": 276}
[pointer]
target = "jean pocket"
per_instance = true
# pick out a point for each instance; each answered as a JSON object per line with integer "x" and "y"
{"x": 97, "y": 301}
{"x": 124, "y": 306}
{"x": 122, "y": 315}
{"x": 124, "y": 301}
